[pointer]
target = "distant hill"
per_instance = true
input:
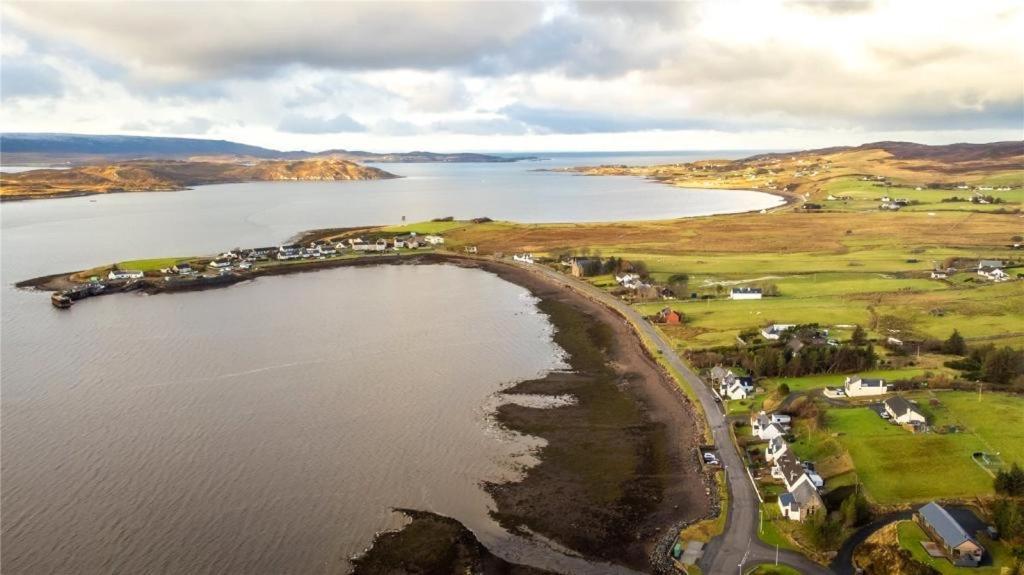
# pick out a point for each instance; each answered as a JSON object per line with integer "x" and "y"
{"x": 53, "y": 148}
{"x": 70, "y": 145}
{"x": 948, "y": 153}
{"x": 169, "y": 175}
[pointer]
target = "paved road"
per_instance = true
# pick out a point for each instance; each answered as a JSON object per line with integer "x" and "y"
{"x": 738, "y": 548}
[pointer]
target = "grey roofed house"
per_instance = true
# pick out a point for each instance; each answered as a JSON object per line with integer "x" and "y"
{"x": 790, "y": 468}
{"x": 898, "y": 406}
{"x": 718, "y": 373}
{"x": 990, "y": 264}
{"x": 746, "y": 290}
{"x": 962, "y": 549}
{"x": 945, "y": 526}
{"x": 805, "y": 494}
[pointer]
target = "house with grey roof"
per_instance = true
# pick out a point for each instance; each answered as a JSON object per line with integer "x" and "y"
{"x": 801, "y": 497}
{"x": 857, "y": 386}
{"x": 960, "y": 548}
{"x": 777, "y": 446}
{"x": 902, "y": 411}
{"x": 745, "y": 293}
{"x": 767, "y": 427}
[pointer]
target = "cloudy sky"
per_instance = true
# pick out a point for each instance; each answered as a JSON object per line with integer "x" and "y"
{"x": 518, "y": 76}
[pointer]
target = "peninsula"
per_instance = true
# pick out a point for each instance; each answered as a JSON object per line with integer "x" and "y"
{"x": 172, "y": 175}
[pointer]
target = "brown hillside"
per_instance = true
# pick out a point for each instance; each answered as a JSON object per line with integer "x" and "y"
{"x": 164, "y": 175}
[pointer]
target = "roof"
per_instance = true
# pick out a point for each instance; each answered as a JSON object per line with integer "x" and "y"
{"x": 746, "y": 290}
{"x": 786, "y": 499}
{"x": 776, "y": 443}
{"x": 868, "y": 381}
{"x": 900, "y": 406}
{"x": 990, "y": 264}
{"x": 804, "y": 494}
{"x": 944, "y": 525}
{"x": 790, "y": 467}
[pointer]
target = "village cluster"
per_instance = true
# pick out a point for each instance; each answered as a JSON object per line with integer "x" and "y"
{"x": 242, "y": 259}
{"x": 803, "y": 489}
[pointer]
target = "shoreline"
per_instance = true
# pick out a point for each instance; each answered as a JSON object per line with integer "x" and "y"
{"x": 788, "y": 198}
{"x": 631, "y": 425}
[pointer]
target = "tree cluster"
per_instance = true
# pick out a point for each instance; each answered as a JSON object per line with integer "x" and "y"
{"x": 997, "y": 365}
{"x": 1010, "y": 482}
{"x": 774, "y": 361}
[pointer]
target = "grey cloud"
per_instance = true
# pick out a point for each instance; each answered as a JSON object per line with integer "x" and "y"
{"x": 299, "y": 124}
{"x": 249, "y": 38}
{"x": 601, "y": 39}
{"x": 29, "y": 78}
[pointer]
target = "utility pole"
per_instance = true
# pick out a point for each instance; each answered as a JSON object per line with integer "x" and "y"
{"x": 776, "y": 554}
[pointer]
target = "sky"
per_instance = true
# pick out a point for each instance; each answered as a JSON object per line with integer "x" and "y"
{"x": 518, "y": 76}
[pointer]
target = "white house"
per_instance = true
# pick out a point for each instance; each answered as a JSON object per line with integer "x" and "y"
{"x": 434, "y": 240}
{"x": 994, "y": 274}
{"x": 775, "y": 330}
{"x": 737, "y": 387}
{"x": 765, "y": 428}
{"x": 289, "y": 252}
{"x": 902, "y": 411}
{"x": 857, "y": 386}
{"x": 219, "y": 264}
{"x": 359, "y": 245}
{"x": 776, "y": 448}
{"x": 408, "y": 241}
{"x": 523, "y": 258}
{"x": 801, "y": 497}
{"x": 745, "y": 293}
{"x": 939, "y": 274}
{"x": 124, "y": 274}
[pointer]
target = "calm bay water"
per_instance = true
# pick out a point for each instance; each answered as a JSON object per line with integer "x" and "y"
{"x": 271, "y": 426}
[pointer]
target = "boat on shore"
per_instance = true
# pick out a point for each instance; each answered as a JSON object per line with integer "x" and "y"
{"x": 60, "y": 301}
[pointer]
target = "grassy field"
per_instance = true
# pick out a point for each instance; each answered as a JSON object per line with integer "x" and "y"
{"x": 150, "y": 265}
{"x": 896, "y": 466}
{"x": 424, "y": 228}
{"x": 911, "y": 535}
{"x": 866, "y": 195}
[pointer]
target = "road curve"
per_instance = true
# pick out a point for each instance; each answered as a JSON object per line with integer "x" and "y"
{"x": 738, "y": 548}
